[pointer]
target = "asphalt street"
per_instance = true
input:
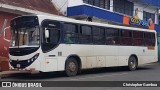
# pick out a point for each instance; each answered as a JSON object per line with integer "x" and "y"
{"x": 149, "y": 72}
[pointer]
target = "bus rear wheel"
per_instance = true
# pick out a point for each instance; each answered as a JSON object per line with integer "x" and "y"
{"x": 71, "y": 67}
{"x": 132, "y": 63}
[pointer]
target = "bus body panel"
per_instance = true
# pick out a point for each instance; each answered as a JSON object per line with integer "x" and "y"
{"x": 36, "y": 65}
{"x": 101, "y": 59}
{"x": 91, "y": 56}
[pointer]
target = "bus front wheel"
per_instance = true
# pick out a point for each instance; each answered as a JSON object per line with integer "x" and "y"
{"x": 71, "y": 67}
{"x": 132, "y": 63}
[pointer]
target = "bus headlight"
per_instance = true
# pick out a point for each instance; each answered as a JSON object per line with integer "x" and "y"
{"x": 28, "y": 61}
{"x": 33, "y": 58}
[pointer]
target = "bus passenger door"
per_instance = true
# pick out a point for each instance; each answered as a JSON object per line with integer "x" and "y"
{"x": 51, "y": 37}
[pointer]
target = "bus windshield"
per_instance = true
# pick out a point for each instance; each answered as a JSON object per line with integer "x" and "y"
{"x": 25, "y": 32}
{"x": 25, "y": 36}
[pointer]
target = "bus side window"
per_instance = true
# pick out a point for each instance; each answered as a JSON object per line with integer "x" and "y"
{"x": 98, "y": 35}
{"x": 126, "y": 37}
{"x": 68, "y": 39}
{"x": 53, "y": 28}
{"x": 153, "y": 39}
{"x": 138, "y": 39}
{"x": 149, "y": 39}
{"x": 112, "y": 36}
{"x": 70, "y": 33}
{"x": 85, "y": 34}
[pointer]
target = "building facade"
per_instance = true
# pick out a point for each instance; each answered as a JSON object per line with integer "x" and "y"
{"x": 138, "y": 13}
{"x": 132, "y": 13}
{"x": 13, "y": 8}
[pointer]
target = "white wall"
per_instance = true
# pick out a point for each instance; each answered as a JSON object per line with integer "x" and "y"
{"x": 146, "y": 8}
{"x": 72, "y": 3}
{"x": 111, "y": 5}
{"x": 61, "y": 5}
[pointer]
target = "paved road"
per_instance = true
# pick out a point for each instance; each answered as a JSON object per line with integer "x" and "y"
{"x": 150, "y": 72}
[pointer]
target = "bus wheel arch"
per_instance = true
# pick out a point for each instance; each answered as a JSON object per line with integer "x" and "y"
{"x": 133, "y": 62}
{"x": 75, "y": 61}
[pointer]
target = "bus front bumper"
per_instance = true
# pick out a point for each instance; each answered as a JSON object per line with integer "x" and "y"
{"x": 31, "y": 70}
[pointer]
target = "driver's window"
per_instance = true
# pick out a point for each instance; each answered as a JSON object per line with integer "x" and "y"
{"x": 53, "y": 27}
{"x": 53, "y": 36}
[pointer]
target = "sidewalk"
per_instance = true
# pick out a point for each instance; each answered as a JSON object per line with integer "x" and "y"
{"x": 4, "y": 63}
{"x": 5, "y": 74}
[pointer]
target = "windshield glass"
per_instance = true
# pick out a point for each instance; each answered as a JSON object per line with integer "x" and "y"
{"x": 25, "y": 36}
{"x": 25, "y": 32}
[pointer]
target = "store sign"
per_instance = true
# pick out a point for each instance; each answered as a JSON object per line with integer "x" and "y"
{"x": 138, "y": 22}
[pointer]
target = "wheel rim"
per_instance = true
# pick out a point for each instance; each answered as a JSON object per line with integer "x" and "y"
{"x": 133, "y": 63}
{"x": 72, "y": 67}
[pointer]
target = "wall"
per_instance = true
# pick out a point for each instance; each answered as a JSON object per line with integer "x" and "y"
{"x": 72, "y": 3}
{"x": 111, "y": 5}
{"x": 4, "y": 40}
{"x": 61, "y": 5}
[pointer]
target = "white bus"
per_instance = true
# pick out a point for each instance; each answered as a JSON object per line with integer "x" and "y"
{"x": 54, "y": 43}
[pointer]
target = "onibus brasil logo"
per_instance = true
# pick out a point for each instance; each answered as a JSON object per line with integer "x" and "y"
{"x": 21, "y": 84}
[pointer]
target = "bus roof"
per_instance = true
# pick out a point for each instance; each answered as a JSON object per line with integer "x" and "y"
{"x": 70, "y": 20}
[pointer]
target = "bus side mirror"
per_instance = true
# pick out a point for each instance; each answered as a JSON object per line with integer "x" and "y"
{"x": 46, "y": 33}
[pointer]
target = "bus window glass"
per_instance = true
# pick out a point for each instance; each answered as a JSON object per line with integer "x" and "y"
{"x": 25, "y": 31}
{"x": 54, "y": 35}
{"x": 112, "y": 36}
{"x": 70, "y": 33}
{"x": 126, "y": 37}
{"x": 85, "y": 35}
{"x": 153, "y": 39}
{"x": 98, "y": 35}
{"x": 138, "y": 39}
{"x": 148, "y": 39}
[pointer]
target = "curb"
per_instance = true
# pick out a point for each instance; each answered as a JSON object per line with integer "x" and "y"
{"x": 6, "y": 74}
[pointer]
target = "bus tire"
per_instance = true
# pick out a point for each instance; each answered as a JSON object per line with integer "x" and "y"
{"x": 71, "y": 67}
{"x": 132, "y": 63}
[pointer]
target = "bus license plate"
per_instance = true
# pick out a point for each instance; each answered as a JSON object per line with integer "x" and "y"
{"x": 18, "y": 65}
